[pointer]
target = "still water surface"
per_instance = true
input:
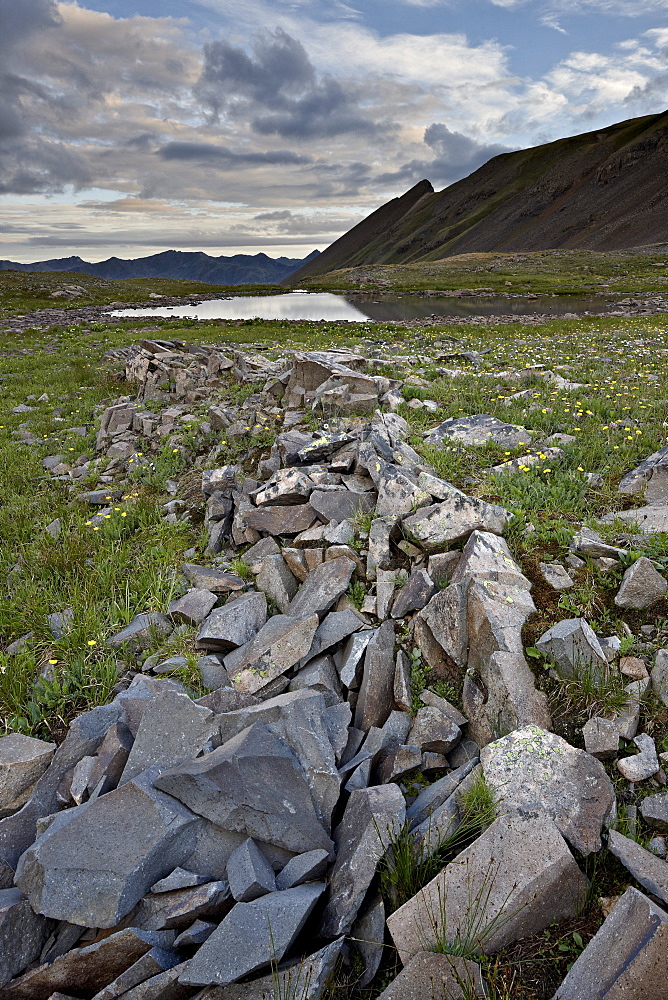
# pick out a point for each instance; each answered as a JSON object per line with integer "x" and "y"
{"x": 326, "y": 306}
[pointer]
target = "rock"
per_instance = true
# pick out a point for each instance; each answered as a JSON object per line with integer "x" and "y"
{"x": 429, "y": 972}
{"x": 400, "y": 761}
{"x": 376, "y": 695}
{"x": 556, "y": 576}
{"x": 255, "y": 554}
{"x": 368, "y": 934}
{"x": 433, "y": 796}
{"x": 349, "y": 658}
{"x": 234, "y": 624}
{"x": 373, "y": 816}
{"x": 659, "y": 675}
{"x": 339, "y": 504}
{"x": 487, "y": 557}
{"x": 443, "y": 524}
{"x": 23, "y": 934}
{"x": 512, "y": 882}
{"x": 154, "y": 962}
{"x": 496, "y": 613}
{"x": 650, "y": 520}
{"x": 212, "y": 672}
{"x": 320, "y": 675}
{"x": 288, "y": 520}
{"x": 434, "y": 700}
{"x": 625, "y": 958}
{"x": 252, "y": 935}
{"x": 164, "y": 986}
{"x": 654, "y": 811}
{"x": 333, "y": 629}
{"x": 178, "y": 879}
{"x": 444, "y": 621}
{"x": 506, "y": 700}
{"x": 432, "y": 730}
{"x": 286, "y": 486}
{"x": 573, "y": 648}
{"x": 194, "y": 935}
{"x": 589, "y": 543}
{"x": 81, "y": 870}
{"x": 143, "y": 632}
{"x": 442, "y": 565}
{"x": 23, "y": 760}
{"x": 253, "y": 785}
{"x": 479, "y": 430}
{"x": 601, "y": 738}
{"x": 634, "y": 667}
{"x": 657, "y": 845}
{"x": 178, "y": 909}
{"x": 88, "y": 969}
{"x": 276, "y": 581}
{"x": 643, "y": 764}
{"x": 249, "y": 873}
{"x": 398, "y": 491}
{"x": 193, "y": 607}
{"x": 380, "y": 554}
{"x": 539, "y": 774}
{"x": 279, "y": 645}
{"x": 637, "y": 480}
{"x": 651, "y": 872}
{"x": 215, "y": 580}
{"x": 172, "y": 729}
{"x": 403, "y": 685}
{"x": 641, "y": 586}
{"x": 322, "y": 587}
{"x": 302, "y": 868}
{"x": 414, "y": 595}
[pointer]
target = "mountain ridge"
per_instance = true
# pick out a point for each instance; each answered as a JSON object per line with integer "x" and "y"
{"x": 239, "y": 269}
{"x": 601, "y": 190}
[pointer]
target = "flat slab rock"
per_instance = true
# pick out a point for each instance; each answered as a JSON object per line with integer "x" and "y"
{"x": 22, "y": 761}
{"x": 429, "y": 974}
{"x": 440, "y": 525}
{"x": 478, "y": 430}
{"x": 538, "y": 773}
{"x": 651, "y": 872}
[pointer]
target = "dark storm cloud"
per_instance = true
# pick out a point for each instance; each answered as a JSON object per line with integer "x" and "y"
{"x": 456, "y": 156}
{"x": 277, "y": 89}
{"x": 17, "y": 22}
{"x": 227, "y": 159}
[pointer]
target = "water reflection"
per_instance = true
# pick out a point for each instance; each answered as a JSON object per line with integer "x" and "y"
{"x": 327, "y": 306}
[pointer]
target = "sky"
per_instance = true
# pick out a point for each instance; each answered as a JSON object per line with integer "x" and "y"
{"x": 130, "y": 127}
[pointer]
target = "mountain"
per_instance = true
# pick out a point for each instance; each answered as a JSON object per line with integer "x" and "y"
{"x": 242, "y": 269}
{"x": 603, "y": 190}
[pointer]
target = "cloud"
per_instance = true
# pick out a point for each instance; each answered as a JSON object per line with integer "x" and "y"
{"x": 617, "y": 8}
{"x": 227, "y": 159}
{"x": 456, "y": 156}
{"x": 277, "y": 88}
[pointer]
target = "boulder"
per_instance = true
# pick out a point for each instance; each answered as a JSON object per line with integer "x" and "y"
{"x": 573, "y": 648}
{"x": 234, "y": 624}
{"x": 250, "y": 874}
{"x": 23, "y": 760}
{"x": 23, "y": 934}
{"x": 172, "y": 729}
{"x": 143, "y": 632}
{"x": 368, "y": 934}
{"x": 506, "y": 700}
{"x": 651, "y": 872}
{"x": 193, "y": 607}
{"x": 512, "y": 882}
{"x": 496, "y": 613}
{"x": 280, "y": 520}
{"x": 641, "y": 586}
{"x": 443, "y": 524}
{"x": 252, "y": 935}
{"x": 478, "y": 430}
{"x": 652, "y": 519}
{"x": 637, "y": 480}
{"x": 372, "y": 818}
{"x": 376, "y": 696}
{"x": 323, "y": 587}
{"x": 215, "y": 580}
{"x": 178, "y": 908}
{"x": 414, "y": 595}
{"x": 276, "y": 581}
{"x": 279, "y": 645}
{"x": 349, "y": 658}
{"x": 427, "y": 973}
{"x": 432, "y": 730}
{"x": 654, "y": 809}
{"x": 302, "y": 868}
{"x": 537, "y": 773}
{"x": 486, "y": 556}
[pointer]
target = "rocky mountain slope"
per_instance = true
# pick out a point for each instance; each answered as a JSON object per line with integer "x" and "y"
{"x": 603, "y": 190}
{"x": 241, "y": 269}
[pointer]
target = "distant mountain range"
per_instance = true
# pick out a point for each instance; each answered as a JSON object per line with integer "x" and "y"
{"x": 603, "y": 190}
{"x": 242, "y": 269}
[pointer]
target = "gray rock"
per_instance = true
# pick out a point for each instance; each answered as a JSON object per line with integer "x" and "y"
{"x": 81, "y": 869}
{"x": 638, "y": 479}
{"x": 478, "y": 430}
{"x": 373, "y": 816}
{"x": 286, "y": 486}
{"x": 399, "y": 762}
{"x": 540, "y": 774}
{"x": 23, "y": 760}
{"x": 302, "y": 868}
{"x": 403, "y": 685}
{"x": 154, "y": 962}
{"x": 322, "y": 587}
{"x": 279, "y": 645}
{"x": 446, "y": 818}
{"x": 307, "y": 978}
{"x": 625, "y": 958}
{"x": 178, "y": 909}
{"x": 253, "y": 785}
{"x": 249, "y": 873}
{"x": 446, "y": 621}
{"x": 349, "y": 659}
{"x": 643, "y": 764}
{"x": 195, "y": 935}
{"x": 398, "y": 490}
{"x": 650, "y": 520}
{"x": 487, "y": 557}
{"x": 506, "y": 700}
{"x": 601, "y": 738}
{"x": 368, "y": 934}
{"x": 654, "y": 811}
{"x": 86, "y": 732}
{"x": 23, "y": 934}
{"x": 496, "y": 613}
{"x": 659, "y": 675}
{"x": 252, "y": 935}
{"x": 442, "y": 565}
{"x": 287, "y": 520}
{"x": 321, "y": 675}
{"x": 521, "y": 868}
{"x": 234, "y": 624}
{"x": 110, "y": 759}
{"x": 443, "y": 524}
{"x": 434, "y": 700}
{"x": 587, "y": 542}
{"x": 641, "y": 586}
{"x": 164, "y": 986}
{"x": 193, "y": 607}
{"x": 178, "y": 879}
{"x": 333, "y": 629}
{"x": 276, "y": 581}
{"x": 172, "y": 729}
{"x": 651, "y": 872}
{"x": 379, "y": 552}
{"x": 414, "y": 595}
{"x": 434, "y": 795}
{"x": 143, "y": 632}
{"x": 464, "y": 753}
{"x": 556, "y": 576}
{"x": 215, "y": 580}
{"x": 256, "y": 553}
{"x": 657, "y": 845}
{"x": 429, "y": 972}
{"x": 376, "y": 695}
{"x": 432, "y": 730}
{"x": 573, "y": 648}
{"x": 339, "y": 504}
{"x": 212, "y": 672}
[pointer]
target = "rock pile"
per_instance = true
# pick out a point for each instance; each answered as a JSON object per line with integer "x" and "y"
{"x": 172, "y": 845}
